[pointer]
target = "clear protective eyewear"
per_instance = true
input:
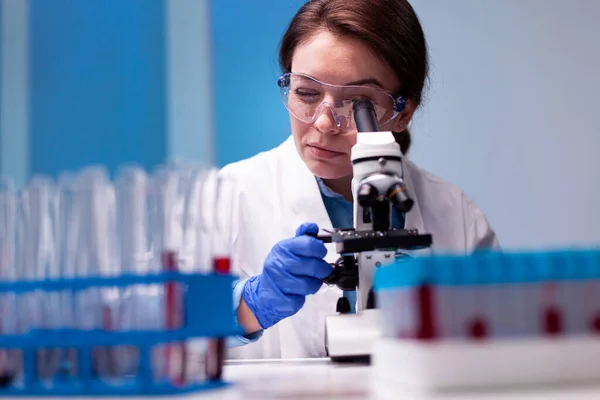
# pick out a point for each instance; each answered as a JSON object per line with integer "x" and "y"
{"x": 306, "y": 98}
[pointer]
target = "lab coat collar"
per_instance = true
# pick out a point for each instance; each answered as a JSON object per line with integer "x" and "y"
{"x": 306, "y": 204}
{"x": 414, "y": 218}
{"x": 305, "y": 201}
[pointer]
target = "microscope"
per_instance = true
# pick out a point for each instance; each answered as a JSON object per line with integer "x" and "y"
{"x": 378, "y": 186}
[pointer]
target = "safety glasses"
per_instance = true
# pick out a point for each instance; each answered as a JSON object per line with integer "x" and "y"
{"x": 306, "y": 98}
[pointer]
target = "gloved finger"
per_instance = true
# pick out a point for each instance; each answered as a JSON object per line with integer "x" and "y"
{"x": 303, "y": 286}
{"x": 307, "y": 228}
{"x": 313, "y": 285}
{"x": 274, "y": 310}
{"x": 304, "y": 246}
{"x": 310, "y": 267}
{"x": 288, "y": 306}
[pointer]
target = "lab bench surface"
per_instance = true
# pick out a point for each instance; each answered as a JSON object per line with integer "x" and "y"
{"x": 320, "y": 379}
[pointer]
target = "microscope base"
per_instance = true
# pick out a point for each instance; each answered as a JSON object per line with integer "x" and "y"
{"x": 351, "y": 337}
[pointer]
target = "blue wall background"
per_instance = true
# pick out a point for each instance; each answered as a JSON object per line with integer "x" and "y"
{"x": 97, "y": 84}
{"x": 250, "y": 116}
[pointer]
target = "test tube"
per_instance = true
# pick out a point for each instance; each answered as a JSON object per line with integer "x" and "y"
{"x": 137, "y": 307}
{"x": 478, "y": 324}
{"x": 196, "y": 255}
{"x": 497, "y": 277}
{"x": 592, "y": 291}
{"x": 458, "y": 298}
{"x": 22, "y": 300}
{"x": 190, "y": 221}
{"x": 446, "y": 300}
{"x": 551, "y": 312}
{"x": 530, "y": 296}
{"x": 8, "y": 325}
{"x": 92, "y": 258}
{"x": 208, "y": 208}
{"x": 168, "y": 198}
{"x": 571, "y": 291}
{"x": 39, "y": 257}
{"x": 68, "y": 229}
{"x": 118, "y": 358}
{"x": 224, "y": 209}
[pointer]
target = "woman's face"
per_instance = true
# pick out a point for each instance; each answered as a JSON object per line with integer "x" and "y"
{"x": 323, "y": 146}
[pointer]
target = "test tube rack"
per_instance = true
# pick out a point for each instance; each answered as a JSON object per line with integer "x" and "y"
{"x": 488, "y": 320}
{"x": 207, "y": 308}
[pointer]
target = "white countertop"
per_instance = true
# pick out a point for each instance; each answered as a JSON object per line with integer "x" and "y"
{"x": 321, "y": 379}
{"x": 318, "y": 379}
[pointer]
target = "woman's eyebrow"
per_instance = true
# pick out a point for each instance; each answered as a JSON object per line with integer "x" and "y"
{"x": 366, "y": 81}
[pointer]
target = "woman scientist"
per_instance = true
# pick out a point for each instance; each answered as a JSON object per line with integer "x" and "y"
{"x": 332, "y": 52}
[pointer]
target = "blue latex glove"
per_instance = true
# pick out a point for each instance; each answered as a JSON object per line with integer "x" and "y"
{"x": 293, "y": 269}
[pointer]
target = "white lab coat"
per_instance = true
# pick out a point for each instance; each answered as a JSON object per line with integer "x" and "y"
{"x": 277, "y": 192}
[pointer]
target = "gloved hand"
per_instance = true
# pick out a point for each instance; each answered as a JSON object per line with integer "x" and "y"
{"x": 293, "y": 269}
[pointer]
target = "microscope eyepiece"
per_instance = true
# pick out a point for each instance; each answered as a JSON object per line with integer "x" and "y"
{"x": 365, "y": 116}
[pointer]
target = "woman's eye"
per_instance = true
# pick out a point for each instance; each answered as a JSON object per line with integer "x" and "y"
{"x": 307, "y": 95}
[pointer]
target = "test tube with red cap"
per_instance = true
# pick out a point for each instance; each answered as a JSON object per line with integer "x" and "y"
{"x": 170, "y": 185}
{"x": 225, "y": 201}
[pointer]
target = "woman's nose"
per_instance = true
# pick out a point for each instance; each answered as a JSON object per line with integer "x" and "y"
{"x": 326, "y": 121}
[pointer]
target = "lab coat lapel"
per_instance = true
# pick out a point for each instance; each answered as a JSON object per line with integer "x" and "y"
{"x": 302, "y": 200}
{"x": 414, "y": 218}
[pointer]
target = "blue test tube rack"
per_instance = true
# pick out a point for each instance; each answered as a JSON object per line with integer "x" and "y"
{"x": 207, "y": 307}
{"x": 506, "y": 295}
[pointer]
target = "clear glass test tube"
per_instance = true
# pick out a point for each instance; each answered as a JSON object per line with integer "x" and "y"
{"x": 169, "y": 187}
{"x": 225, "y": 204}
{"x": 44, "y": 307}
{"x": 67, "y": 231}
{"x": 137, "y": 307}
{"x": 8, "y": 272}
{"x": 91, "y": 260}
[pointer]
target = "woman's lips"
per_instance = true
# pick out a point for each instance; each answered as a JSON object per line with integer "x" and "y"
{"x": 320, "y": 152}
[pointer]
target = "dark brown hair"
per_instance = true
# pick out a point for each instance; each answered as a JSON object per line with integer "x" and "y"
{"x": 390, "y": 28}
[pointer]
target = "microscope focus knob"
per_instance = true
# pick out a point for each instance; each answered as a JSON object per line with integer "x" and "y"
{"x": 343, "y": 306}
{"x": 366, "y": 195}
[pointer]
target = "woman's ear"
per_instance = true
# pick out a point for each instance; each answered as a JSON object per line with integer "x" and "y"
{"x": 404, "y": 118}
